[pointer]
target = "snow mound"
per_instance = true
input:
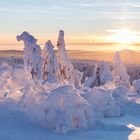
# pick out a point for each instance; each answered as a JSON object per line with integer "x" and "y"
{"x": 10, "y": 83}
{"x": 120, "y": 93}
{"x": 64, "y": 110}
{"x": 136, "y": 86}
{"x": 102, "y": 103}
{"x": 17, "y": 84}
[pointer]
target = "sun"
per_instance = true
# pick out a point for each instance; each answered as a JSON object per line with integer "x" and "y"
{"x": 124, "y": 36}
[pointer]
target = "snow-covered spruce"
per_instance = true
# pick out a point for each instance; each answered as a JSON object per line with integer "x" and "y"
{"x": 120, "y": 75}
{"x": 50, "y": 68}
{"x": 67, "y": 71}
{"x": 101, "y": 75}
{"x": 102, "y": 103}
{"x": 64, "y": 110}
{"x": 32, "y": 55}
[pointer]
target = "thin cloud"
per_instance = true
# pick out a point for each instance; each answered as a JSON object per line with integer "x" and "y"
{"x": 136, "y": 5}
{"x": 29, "y": 11}
{"x": 115, "y": 30}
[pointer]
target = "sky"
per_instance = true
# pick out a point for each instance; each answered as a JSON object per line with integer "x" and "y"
{"x": 88, "y": 24}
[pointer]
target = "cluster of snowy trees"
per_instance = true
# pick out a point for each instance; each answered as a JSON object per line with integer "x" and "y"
{"x": 48, "y": 65}
{"x": 102, "y": 74}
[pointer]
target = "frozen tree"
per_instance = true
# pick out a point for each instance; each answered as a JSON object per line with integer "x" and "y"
{"x": 67, "y": 71}
{"x": 50, "y": 68}
{"x": 32, "y": 54}
{"x": 101, "y": 75}
{"x": 120, "y": 76}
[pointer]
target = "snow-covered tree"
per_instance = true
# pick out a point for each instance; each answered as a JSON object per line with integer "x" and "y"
{"x": 67, "y": 71}
{"x": 120, "y": 75}
{"x": 50, "y": 68}
{"x": 101, "y": 75}
{"x": 32, "y": 54}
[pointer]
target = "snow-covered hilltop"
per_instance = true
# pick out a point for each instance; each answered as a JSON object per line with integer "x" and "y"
{"x": 51, "y": 91}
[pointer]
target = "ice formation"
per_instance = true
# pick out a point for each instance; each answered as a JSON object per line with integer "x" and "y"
{"x": 101, "y": 75}
{"x": 67, "y": 71}
{"x": 120, "y": 76}
{"x": 50, "y": 68}
{"x": 32, "y": 55}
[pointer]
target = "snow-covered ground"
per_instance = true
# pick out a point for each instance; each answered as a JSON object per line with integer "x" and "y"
{"x": 16, "y": 125}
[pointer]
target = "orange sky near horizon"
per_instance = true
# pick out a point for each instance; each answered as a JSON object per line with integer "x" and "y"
{"x": 83, "y": 42}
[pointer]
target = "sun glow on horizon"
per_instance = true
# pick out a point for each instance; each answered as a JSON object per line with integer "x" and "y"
{"x": 123, "y": 36}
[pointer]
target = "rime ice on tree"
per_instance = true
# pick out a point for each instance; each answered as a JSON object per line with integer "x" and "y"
{"x": 32, "y": 55}
{"x": 120, "y": 76}
{"x": 50, "y": 68}
{"x": 101, "y": 75}
{"x": 67, "y": 71}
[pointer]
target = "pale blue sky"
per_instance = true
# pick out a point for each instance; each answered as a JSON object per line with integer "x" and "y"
{"x": 79, "y": 18}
